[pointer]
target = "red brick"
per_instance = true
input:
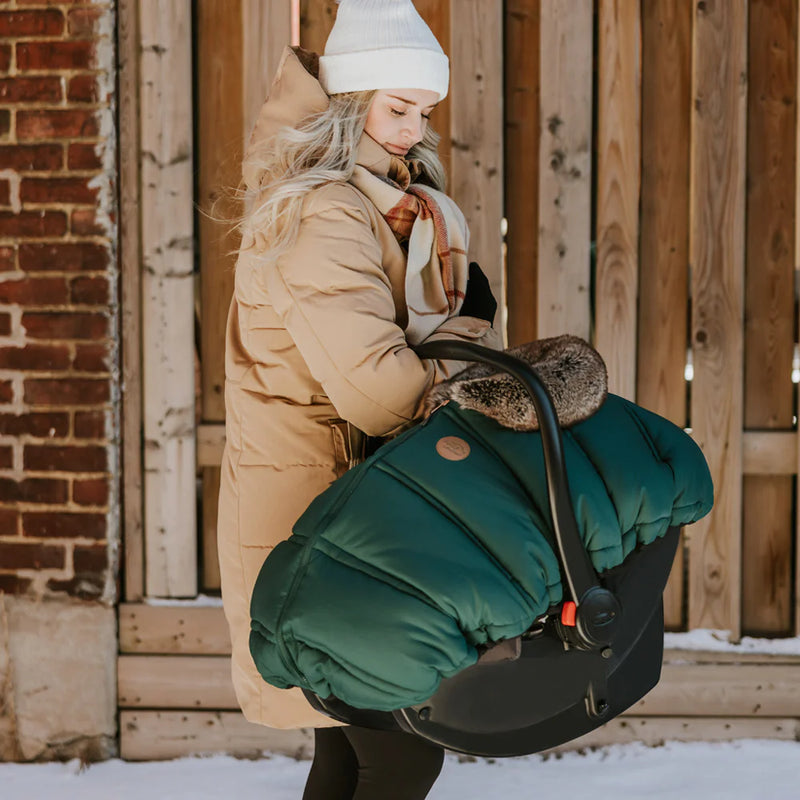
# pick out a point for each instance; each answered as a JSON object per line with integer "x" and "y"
{"x": 34, "y": 291}
{"x": 6, "y": 392}
{"x": 63, "y": 525}
{"x": 5, "y": 122}
{"x": 68, "y": 458}
{"x": 84, "y": 157}
{"x": 38, "y": 424}
{"x": 83, "y": 89}
{"x": 22, "y": 157}
{"x": 85, "y": 256}
{"x": 5, "y": 192}
{"x": 9, "y": 524}
{"x": 56, "y": 124}
{"x": 82, "y": 22}
{"x": 6, "y": 457}
{"x": 91, "y": 358}
{"x": 90, "y": 558}
{"x": 56, "y": 325}
{"x": 57, "y": 190}
{"x": 49, "y": 22}
{"x": 22, "y": 89}
{"x": 30, "y": 555}
{"x": 84, "y": 223}
{"x": 90, "y": 291}
{"x": 33, "y": 224}
{"x": 13, "y": 584}
{"x": 34, "y": 357}
{"x": 66, "y": 391}
{"x": 33, "y": 490}
{"x": 55, "y": 55}
{"x": 90, "y": 424}
{"x": 8, "y": 260}
{"x": 92, "y": 492}
{"x": 5, "y": 57}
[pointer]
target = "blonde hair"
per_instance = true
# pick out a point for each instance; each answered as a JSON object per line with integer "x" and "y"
{"x": 320, "y": 150}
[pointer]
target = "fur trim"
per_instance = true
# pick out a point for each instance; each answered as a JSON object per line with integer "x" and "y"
{"x": 573, "y": 372}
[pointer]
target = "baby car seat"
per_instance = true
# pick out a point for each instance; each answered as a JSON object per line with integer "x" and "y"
{"x": 578, "y": 666}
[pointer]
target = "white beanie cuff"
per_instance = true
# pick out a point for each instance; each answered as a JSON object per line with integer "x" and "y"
{"x": 385, "y": 68}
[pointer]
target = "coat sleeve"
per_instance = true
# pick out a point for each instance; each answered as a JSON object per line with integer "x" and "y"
{"x": 336, "y": 303}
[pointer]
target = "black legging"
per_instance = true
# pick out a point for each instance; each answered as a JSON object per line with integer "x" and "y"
{"x": 353, "y": 763}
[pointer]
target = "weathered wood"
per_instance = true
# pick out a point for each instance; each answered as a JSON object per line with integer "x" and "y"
{"x": 437, "y": 14}
{"x": 175, "y": 682}
{"x": 476, "y": 86}
{"x": 266, "y": 31}
{"x": 769, "y": 453}
{"x": 654, "y": 731}
{"x": 173, "y": 630}
{"x": 168, "y": 298}
{"x": 130, "y": 297}
{"x": 769, "y": 308}
{"x": 521, "y": 166}
{"x": 160, "y": 735}
{"x": 618, "y": 178}
{"x": 664, "y": 251}
{"x": 210, "y": 443}
{"x": 316, "y": 20}
{"x": 736, "y": 690}
{"x": 717, "y": 255}
{"x": 565, "y": 153}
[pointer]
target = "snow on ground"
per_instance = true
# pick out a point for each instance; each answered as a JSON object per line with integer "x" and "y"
{"x": 742, "y": 770}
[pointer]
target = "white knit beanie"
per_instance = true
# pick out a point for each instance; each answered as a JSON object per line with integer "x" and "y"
{"x": 382, "y": 44}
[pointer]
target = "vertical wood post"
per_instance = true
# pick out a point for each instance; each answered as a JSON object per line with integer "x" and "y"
{"x": 168, "y": 299}
{"x": 618, "y": 180}
{"x": 565, "y": 180}
{"x": 476, "y": 84}
{"x": 717, "y": 256}
{"x": 664, "y": 241}
{"x": 521, "y": 161}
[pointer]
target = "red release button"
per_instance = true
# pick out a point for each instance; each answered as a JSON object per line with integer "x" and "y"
{"x": 568, "y": 613}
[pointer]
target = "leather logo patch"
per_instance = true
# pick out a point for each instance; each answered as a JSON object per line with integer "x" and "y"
{"x": 452, "y": 448}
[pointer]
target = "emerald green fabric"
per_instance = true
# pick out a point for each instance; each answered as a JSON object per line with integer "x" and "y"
{"x": 396, "y": 573}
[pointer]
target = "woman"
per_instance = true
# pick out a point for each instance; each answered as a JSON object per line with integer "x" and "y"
{"x": 350, "y": 256}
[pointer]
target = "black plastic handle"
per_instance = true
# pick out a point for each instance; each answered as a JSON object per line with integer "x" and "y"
{"x": 600, "y": 611}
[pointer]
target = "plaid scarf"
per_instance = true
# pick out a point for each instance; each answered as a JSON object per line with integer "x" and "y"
{"x": 432, "y": 229}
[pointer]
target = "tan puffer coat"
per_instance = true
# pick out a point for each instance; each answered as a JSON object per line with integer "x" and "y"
{"x": 313, "y": 343}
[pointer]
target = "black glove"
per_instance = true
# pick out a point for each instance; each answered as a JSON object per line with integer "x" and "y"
{"x": 479, "y": 301}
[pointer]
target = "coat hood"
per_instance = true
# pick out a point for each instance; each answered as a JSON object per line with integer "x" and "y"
{"x": 295, "y": 95}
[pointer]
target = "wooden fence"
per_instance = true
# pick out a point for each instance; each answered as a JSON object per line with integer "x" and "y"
{"x": 629, "y": 172}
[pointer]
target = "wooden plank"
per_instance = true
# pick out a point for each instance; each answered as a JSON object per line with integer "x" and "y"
{"x": 173, "y": 630}
{"x": 168, "y": 298}
{"x": 664, "y": 251}
{"x": 521, "y": 166}
{"x": 266, "y": 30}
{"x": 565, "y": 152}
{"x": 717, "y": 256}
{"x": 655, "y": 731}
{"x": 769, "y": 453}
{"x": 175, "y": 682}
{"x": 618, "y": 178}
{"x": 476, "y": 86}
{"x": 160, "y": 735}
{"x": 437, "y": 13}
{"x": 677, "y": 655}
{"x": 316, "y": 20}
{"x": 220, "y": 142}
{"x": 131, "y": 299}
{"x": 769, "y": 308}
{"x": 732, "y": 690}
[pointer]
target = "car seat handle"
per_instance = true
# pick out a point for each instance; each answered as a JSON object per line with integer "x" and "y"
{"x": 598, "y": 610}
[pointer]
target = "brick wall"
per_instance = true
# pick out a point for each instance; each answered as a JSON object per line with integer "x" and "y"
{"x": 58, "y": 316}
